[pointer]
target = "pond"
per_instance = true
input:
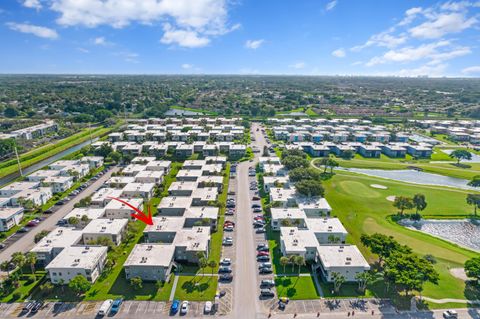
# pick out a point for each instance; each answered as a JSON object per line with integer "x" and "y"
{"x": 413, "y": 176}
{"x": 462, "y": 232}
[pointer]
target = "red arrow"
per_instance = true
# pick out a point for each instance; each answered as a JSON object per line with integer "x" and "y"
{"x": 139, "y": 214}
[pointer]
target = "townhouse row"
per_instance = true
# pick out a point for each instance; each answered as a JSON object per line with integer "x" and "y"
{"x": 307, "y": 229}
{"x": 40, "y": 186}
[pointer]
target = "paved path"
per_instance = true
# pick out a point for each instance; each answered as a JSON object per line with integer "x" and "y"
{"x": 26, "y": 242}
{"x": 174, "y": 287}
{"x": 447, "y": 300}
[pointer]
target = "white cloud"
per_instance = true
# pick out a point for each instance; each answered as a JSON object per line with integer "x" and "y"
{"x": 187, "y": 66}
{"x": 442, "y": 24}
{"x": 410, "y": 15}
{"x": 83, "y": 50}
{"x": 298, "y": 65}
{"x": 382, "y": 39}
{"x": 339, "y": 53}
{"x": 424, "y": 70}
{"x": 34, "y": 4}
{"x": 42, "y": 32}
{"x": 436, "y": 52}
{"x": 184, "y": 38}
{"x": 130, "y": 57}
{"x": 101, "y": 41}
{"x": 472, "y": 70}
{"x": 190, "y": 22}
{"x": 253, "y": 44}
{"x": 332, "y": 4}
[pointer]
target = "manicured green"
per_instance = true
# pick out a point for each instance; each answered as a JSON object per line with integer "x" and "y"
{"x": 363, "y": 209}
{"x": 196, "y": 288}
{"x": 295, "y": 287}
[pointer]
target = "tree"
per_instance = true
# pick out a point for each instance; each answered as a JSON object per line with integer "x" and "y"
{"x": 284, "y": 262}
{"x": 136, "y": 283}
{"x": 332, "y": 163}
{"x": 73, "y": 221}
{"x": 348, "y": 154}
{"x": 402, "y": 203}
{"x": 212, "y": 264}
{"x": 28, "y": 204}
{"x": 19, "y": 259}
{"x": 291, "y": 162}
{"x": 31, "y": 259}
{"x": 366, "y": 278}
{"x": 115, "y": 157}
{"x": 472, "y": 268}
{"x": 338, "y": 281}
{"x": 40, "y": 235}
{"x": 79, "y": 284}
{"x": 382, "y": 245}
{"x": 324, "y": 162}
{"x": 310, "y": 188}
{"x": 293, "y": 152}
{"x": 475, "y": 182}
{"x": 474, "y": 200}
{"x": 46, "y": 288}
{"x": 291, "y": 259}
{"x": 299, "y": 261}
{"x": 409, "y": 272}
{"x": 419, "y": 202}
{"x": 203, "y": 263}
{"x": 5, "y": 266}
{"x": 461, "y": 155}
{"x": 84, "y": 219}
{"x": 301, "y": 173}
{"x": 332, "y": 239}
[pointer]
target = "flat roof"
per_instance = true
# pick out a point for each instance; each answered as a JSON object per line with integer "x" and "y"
{"x": 106, "y": 226}
{"x": 325, "y": 225}
{"x": 287, "y": 213}
{"x": 166, "y": 224}
{"x": 135, "y": 202}
{"x": 175, "y": 202}
{"x": 20, "y": 186}
{"x": 297, "y": 240}
{"x": 105, "y": 193}
{"x": 151, "y": 255}
{"x": 183, "y": 185}
{"x": 139, "y": 187}
{"x": 91, "y": 213}
{"x": 194, "y": 239}
{"x": 60, "y": 237}
{"x": 7, "y": 212}
{"x": 341, "y": 256}
{"x": 209, "y": 212}
{"x": 81, "y": 257}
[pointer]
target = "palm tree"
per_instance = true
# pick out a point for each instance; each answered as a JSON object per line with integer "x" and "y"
{"x": 5, "y": 266}
{"x": 291, "y": 259}
{"x": 366, "y": 278}
{"x": 31, "y": 259}
{"x": 212, "y": 264}
{"x": 19, "y": 260}
{"x": 203, "y": 263}
{"x": 299, "y": 261}
{"x": 284, "y": 261}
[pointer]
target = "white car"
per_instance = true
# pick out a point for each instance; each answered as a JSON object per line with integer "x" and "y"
{"x": 184, "y": 307}
{"x": 226, "y": 262}
{"x": 208, "y": 307}
{"x": 450, "y": 314}
{"x": 228, "y": 241}
{"x": 105, "y": 307}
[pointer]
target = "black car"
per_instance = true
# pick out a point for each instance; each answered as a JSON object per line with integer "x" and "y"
{"x": 258, "y": 224}
{"x": 36, "y": 307}
{"x": 60, "y": 202}
{"x": 225, "y": 277}
{"x": 265, "y": 270}
{"x": 263, "y": 258}
{"x": 225, "y": 269}
{"x": 48, "y": 211}
{"x": 266, "y": 293}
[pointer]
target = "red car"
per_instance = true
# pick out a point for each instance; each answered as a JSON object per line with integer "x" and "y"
{"x": 262, "y": 253}
{"x": 228, "y": 222}
{"x": 259, "y": 218}
{"x": 32, "y": 224}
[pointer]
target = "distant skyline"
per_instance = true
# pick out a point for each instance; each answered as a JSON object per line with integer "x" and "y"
{"x": 308, "y": 37}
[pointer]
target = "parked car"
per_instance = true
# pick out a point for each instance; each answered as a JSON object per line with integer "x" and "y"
{"x": 226, "y": 262}
{"x": 258, "y": 224}
{"x": 2, "y": 246}
{"x": 228, "y": 228}
{"x": 23, "y": 230}
{"x": 267, "y": 283}
{"x": 265, "y": 265}
{"x": 225, "y": 277}
{"x": 224, "y": 269}
{"x": 208, "y": 307}
{"x": 266, "y": 293}
{"x": 263, "y": 253}
{"x": 260, "y": 230}
{"x": 450, "y": 314}
{"x": 116, "y": 306}
{"x": 60, "y": 202}
{"x": 262, "y": 245}
{"x": 105, "y": 307}
{"x": 255, "y": 198}
{"x": 48, "y": 211}
{"x": 265, "y": 271}
{"x": 174, "y": 307}
{"x": 263, "y": 258}
{"x": 184, "y": 308}
{"x": 228, "y": 241}
{"x": 257, "y": 210}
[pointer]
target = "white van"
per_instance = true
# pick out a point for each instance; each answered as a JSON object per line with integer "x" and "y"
{"x": 106, "y": 305}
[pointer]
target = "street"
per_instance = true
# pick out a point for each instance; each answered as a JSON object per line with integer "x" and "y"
{"x": 27, "y": 241}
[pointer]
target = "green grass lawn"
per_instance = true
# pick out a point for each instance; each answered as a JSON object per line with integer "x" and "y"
{"x": 295, "y": 287}
{"x": 363, "y": 209}
{"x": 196, "y": 288}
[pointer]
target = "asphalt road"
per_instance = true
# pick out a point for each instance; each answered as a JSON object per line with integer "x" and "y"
{"x": 26, "y": 242}
{"x": 245, "y": 298}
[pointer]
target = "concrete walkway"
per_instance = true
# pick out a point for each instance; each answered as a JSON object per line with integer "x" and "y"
{"x": 448, "y": 300}
{"x": 174, "y": 287}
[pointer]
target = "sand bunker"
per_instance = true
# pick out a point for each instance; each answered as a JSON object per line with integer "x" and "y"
{"x": 378, "y": 186}
{"x": 459, "y": 273}
{"x": 391, "y": 198}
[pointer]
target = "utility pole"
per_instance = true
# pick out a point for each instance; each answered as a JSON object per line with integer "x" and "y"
{"x": 90, "y": 130}
{"x": 18, "y": 161}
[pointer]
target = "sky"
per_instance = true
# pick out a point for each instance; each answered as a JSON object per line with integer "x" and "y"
{"x": 291, "y": 37}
